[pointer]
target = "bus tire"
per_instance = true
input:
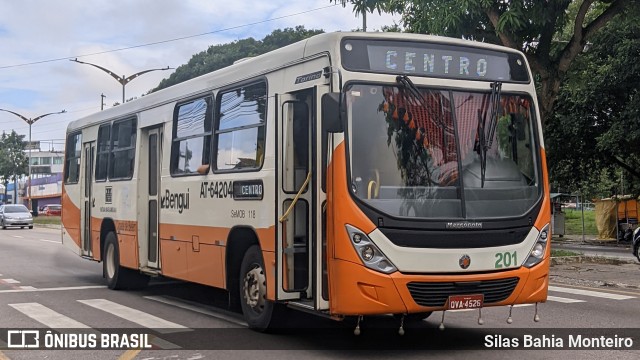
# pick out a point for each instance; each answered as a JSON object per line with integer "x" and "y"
{"x": 260, "y": 314}
{"x": 117, "y": 276}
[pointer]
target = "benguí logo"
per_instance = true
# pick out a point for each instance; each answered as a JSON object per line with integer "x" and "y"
{"x": 178, "y": 201}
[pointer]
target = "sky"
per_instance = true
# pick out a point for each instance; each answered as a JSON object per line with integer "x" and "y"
{"x": 39, "y": 37}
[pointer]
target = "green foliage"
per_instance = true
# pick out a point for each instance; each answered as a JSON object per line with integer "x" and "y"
{"x": 220, "y": 56}
{"x": 595, "y": 127}
{"x": 13, "y": 162}
{"x": 573, "y": 222}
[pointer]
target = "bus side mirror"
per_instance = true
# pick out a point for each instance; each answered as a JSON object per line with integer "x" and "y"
{"x": 332, "y": 113}
{"x": 333, "y": 116}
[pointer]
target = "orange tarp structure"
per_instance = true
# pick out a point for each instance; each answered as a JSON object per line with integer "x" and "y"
{"x": 628, "y": 210}
{"x": 606, "y": 221}
{"x": 610, "y": 211}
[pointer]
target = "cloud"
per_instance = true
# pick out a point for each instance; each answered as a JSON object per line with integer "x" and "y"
{"x": 32, "y": 31}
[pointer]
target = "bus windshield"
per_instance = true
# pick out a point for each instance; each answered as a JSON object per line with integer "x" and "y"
{"x": 440, "y": 153}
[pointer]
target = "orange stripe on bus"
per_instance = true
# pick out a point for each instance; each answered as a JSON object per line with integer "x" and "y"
{"x": 70, "y": 217}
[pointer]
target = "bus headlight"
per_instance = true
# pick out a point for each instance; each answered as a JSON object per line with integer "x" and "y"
{"x": 537, "y": 252}
{"x": 368, "y": 252}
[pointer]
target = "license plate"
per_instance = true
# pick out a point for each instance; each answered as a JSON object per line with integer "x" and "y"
{"x": 457, "y": 302}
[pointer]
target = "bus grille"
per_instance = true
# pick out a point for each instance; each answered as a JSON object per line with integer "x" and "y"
{"x": 435, "y": 294}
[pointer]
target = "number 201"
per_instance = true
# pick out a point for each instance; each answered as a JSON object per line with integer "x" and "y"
{"x": 506, "y": 259}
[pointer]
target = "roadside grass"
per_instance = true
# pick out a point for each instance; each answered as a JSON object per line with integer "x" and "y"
{"x": 46, "y": 220}
{"x": 573, "y": 222}
{"x": 560, "y": 253}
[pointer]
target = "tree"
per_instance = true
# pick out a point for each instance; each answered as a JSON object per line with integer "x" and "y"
{"x": 593, "y": 139}
{"x": 532, "y": 26}
{"x": 362, "y": 7}
{"x": 223, "y": 55}
{"x": 13, "y": 162}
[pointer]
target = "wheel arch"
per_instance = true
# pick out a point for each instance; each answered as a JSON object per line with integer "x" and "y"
{"x": 239, "y": 240}
{"x": 107, "y": 225}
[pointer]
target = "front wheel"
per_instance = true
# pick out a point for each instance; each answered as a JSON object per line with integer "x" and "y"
{"x": 260, "y": 313}
{"x": 117, "y": 276}
{"x": 637, "y": 251}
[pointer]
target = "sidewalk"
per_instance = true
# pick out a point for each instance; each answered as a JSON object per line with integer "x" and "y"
{"x": 588, "y": 239}
{"x": 590, "y": 274}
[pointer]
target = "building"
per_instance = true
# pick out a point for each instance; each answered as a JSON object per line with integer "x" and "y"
{"x": 46, "y": 180}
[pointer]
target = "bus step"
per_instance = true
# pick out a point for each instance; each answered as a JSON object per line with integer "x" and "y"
{"x": 150, "y": 271}
{"x": 307, "y": 306}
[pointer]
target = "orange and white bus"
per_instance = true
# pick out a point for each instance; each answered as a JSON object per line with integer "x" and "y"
{"x": 349, "y": 174}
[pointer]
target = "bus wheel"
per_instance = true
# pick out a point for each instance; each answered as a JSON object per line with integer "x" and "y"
{"x": 117, "y": 276}
{"x": 257, "y": 310}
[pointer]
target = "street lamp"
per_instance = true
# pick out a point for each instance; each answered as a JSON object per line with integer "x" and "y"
{"x": 30, "y": 122}
{"x": 121, "y": 79}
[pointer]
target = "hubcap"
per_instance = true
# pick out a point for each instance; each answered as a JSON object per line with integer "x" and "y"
{"x": 254, "y": 288}
{"x": 111, "y": 265}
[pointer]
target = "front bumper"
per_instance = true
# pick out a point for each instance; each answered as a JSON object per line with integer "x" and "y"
{"x": 18, "y": 222}
{"x": 361, "y": 291}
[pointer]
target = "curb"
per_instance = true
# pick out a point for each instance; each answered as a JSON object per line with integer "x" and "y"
{"x": 48, "y": 226}
{"x": 559, "y": 260}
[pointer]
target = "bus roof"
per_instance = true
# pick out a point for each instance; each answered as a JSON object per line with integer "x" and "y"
{"x": 255, "y": 66}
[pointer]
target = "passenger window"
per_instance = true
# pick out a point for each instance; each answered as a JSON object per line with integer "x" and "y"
{"x": 104, "y": 148}
{"x": 72, "y": 158}
{"x": 123, "y": 149}
{"x": 192, "y": 137}
{"x": 241, "y": 128}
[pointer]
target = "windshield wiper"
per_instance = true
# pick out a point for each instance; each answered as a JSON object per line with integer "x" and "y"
{"x": 485, "y": 140}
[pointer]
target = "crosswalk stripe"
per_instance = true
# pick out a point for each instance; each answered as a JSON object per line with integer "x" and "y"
{"x": 563, "y": 300}
{"x": 48, "y": 317}
{"x": 10, "y": 281}
{"x": 598, "y": 294}
{"x": 139, "y": 317}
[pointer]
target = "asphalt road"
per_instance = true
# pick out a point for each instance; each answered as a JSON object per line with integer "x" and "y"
{"x": 42, "y": 284}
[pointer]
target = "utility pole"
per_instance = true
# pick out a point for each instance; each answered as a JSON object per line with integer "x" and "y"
{"x": 102, "y": 96}
{"x": 30, "y": 122}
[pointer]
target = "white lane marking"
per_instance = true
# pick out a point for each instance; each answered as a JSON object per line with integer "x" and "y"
{"x": 164, "y": 344}
{"x": 598, "y": 294}
{"x": 188, "y": 305}
{"x": 18, "y": 236}
{"x": 10, "y": 281}
{"x": 26, "y": 287}
{"x": 48, "y": 317}
{"x": 139, "y": 317}
{"x": 54, "y": 289}
{"x": 51, "y": 241}
{"x": 563, "y": 300}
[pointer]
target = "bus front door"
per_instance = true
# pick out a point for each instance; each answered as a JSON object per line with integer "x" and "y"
{"x": 295, "y": 198}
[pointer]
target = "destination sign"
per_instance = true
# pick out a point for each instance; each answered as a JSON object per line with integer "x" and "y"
{"x": 248, "y": 190}
{"x": 434, "y": 60}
